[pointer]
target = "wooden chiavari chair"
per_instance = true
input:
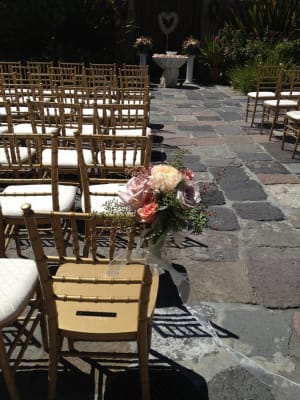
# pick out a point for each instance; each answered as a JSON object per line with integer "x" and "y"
{"x": 114, "y": 154}
{"x": 33, "y": 183}
{"x": 267, "y": 81}
{"x": 123, "y": 311}
{"x": 275, "y": 108}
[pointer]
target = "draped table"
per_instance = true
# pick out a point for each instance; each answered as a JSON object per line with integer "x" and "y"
{"x": 170, "y": 65}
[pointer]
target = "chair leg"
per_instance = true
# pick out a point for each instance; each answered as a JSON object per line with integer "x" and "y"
{"x": 275, "y": 118}
{"x": 253, "y": 113}
{"x": 296, "y": 144}
{"x": 43, "y": 320}
{"x": 54, "y": 348}
{"x": 7, "y": 371}
{"x": 262, "y": 120}
{"x": 284, "y": 132}
{"x": 144, "y": 368}
{"x": 247, "y": 109}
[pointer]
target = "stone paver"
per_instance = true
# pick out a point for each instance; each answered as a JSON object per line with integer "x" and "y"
{"x": 259, "y": 211}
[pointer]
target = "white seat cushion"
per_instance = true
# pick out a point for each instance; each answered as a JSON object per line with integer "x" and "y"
{"x": 27, "y": 128}
{"x": 23, "y": 154}
{"x": 294, "y": 114}
{"x": 18, "y": 110}
{"x": 11, "y": 205}
{"x": 3, "y": 110}
{"x": 22, "y": 128}
{"x": 293, "y": 93}
{"x": 129, "y": 131}
{"x": 66, "y": 158}
{"x": 282, "y": 103}
{"x": 18, "y": 278}
{"x": 98, "y": 202}
{"x": 87, "y": 129}
{"x": 119, "y": 161}
{"x": 3, "y": 129}
{"x": 261, "y": 94}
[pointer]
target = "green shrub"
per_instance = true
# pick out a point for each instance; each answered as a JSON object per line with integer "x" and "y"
{"x": 243, "y": 78}
{"x": 268, "y": 19}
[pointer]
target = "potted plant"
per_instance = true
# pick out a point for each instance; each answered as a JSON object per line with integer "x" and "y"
{"x": 191, "y": 46}
{"x": 143, "y": 45}
{"x": 212, "y": 56}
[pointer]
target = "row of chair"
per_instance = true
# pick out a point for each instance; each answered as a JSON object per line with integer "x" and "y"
{"x": 87, "y": 117}
{"x": 69, "y": 73}
{"x": 65, "y": 150}
{"x": 277, "y": 94}
{"x": 47, "y": 170}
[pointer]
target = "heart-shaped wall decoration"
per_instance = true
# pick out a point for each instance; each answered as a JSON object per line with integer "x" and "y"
{"x": 167, "y": 21}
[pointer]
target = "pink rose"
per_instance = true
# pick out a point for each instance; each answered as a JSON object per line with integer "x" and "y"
{"x": 187, "y": 195}
{"x": 147, "y": 213}
{"x": 136, "y": 193}
{"x": 188, "y": 174}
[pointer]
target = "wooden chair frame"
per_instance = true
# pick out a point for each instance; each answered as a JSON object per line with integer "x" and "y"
{"x": 75, "y": 310}
{"x": 268, "y": 79}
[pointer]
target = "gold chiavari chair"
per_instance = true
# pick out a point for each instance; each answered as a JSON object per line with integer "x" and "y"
{"x": 75, "y": 310}
{"x": 75, "y": 67}
{"x": 39, "y": 66}
{"x": 114, "y": 154}
{"x": 267, "y": 81}
{"x": 102, "y": 69}
{"x": 5, "y": 65}
{"x": 128, "y": 119}
{"x": 275, "y": 108}
{"x": 43, "y": 191}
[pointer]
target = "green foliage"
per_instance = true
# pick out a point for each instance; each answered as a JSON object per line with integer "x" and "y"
{"x": 243, "y": 78}
{"x": 211, "y": 53}
{"x": 118, "y": 214}
{"x": 177, "y": 159}
{"x": 266, "y": 19}
{"x": 197, "y": 220}
{"x": 258, "y": 31}
{"x": 73, "y": 30}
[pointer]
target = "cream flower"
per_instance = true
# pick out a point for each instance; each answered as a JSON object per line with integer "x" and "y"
{"x": 164, "y": 178}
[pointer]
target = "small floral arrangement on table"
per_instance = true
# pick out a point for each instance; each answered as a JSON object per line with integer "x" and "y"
{"x": 191, "y": 46}
{"x": 143, "y": 44}
{"x": 166, "y": 199}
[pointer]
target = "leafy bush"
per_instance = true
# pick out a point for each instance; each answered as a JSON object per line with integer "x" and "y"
{"x": 266, "y": 19}
{"x": 243, "y": 78}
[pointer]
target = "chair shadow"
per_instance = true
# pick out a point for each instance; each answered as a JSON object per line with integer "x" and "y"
{"x": 168, "y": 324}
{"x": 166, "y": 382}
{"x": 32, "y": 384}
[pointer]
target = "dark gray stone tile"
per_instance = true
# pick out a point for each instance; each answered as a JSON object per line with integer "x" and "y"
{"x": 284, "y": 156}
{"x": 222, "y": 219}
{"x": 211, "y": 195}
{"x": 193, "y": 128}
{"x": 267, "y": 167}
{"x": 263, "y": 156}
{"x": 230, "y": 116}
{"x": 258, "y": 211}
{"x": 208, "y": 118}
{"x": 274, "y": 274}
{"x": 237, "y": 383}
{"x": 237, "y": 185}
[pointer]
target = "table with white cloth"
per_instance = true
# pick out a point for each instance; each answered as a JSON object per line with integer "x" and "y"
{"x": 170, "y": 65}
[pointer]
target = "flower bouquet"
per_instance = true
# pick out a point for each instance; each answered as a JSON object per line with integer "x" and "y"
{"x": 143, "y": 44}
{"x": 166, "y": 199}
{"x": 191, "y": 46}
